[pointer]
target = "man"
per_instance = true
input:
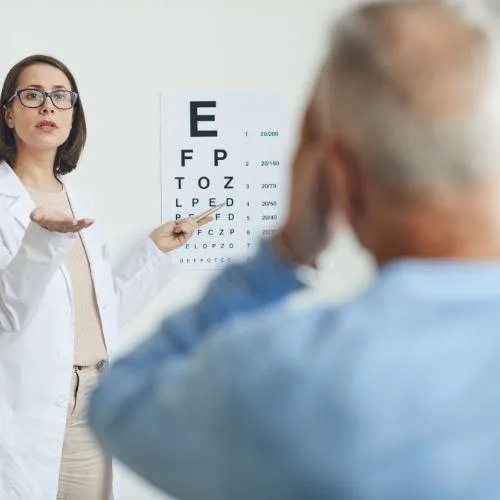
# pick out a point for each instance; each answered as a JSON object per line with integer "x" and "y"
{"x": 395, "y": 395}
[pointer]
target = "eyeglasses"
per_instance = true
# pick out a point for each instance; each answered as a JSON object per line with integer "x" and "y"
{"x": 33, "y": 98}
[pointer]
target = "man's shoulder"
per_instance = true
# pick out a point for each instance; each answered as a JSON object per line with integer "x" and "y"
{"x": 276, "y": 346}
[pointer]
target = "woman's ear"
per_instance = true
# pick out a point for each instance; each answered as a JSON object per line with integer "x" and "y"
{"x": 8, "y": 114}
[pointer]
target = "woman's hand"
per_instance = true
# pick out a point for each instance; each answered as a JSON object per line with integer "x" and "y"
{"x": 59, "y": 222}
{"x": 175, "y": 234}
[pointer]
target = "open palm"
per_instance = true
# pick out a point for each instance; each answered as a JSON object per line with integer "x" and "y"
{"x": 52, "y": 220}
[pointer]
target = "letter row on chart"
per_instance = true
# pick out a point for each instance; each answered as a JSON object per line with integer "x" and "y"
{"x": 229, "y": 148}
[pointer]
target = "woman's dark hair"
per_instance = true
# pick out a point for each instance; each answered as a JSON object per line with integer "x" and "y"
{"x": 68, "y": 153}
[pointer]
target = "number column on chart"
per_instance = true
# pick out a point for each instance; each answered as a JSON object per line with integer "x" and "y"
{"x": 264, "y": 180}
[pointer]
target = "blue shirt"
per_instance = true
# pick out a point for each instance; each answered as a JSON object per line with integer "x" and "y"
{"x": 394, "y": 396}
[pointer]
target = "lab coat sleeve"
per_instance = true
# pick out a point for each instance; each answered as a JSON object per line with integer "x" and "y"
{"x": 142, "y": 277}
{"x": 24, "y": 277}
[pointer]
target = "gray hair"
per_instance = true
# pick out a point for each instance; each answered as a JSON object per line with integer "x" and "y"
{"x": 404, "y": 144}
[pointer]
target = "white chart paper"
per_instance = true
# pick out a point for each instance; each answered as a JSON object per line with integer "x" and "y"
{"x": 224, "y": 147}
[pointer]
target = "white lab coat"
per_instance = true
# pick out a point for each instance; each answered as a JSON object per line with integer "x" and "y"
{"x": 37, "y": 332}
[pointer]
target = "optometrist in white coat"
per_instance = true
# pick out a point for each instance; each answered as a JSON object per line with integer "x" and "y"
{"x": 60, "y": 304}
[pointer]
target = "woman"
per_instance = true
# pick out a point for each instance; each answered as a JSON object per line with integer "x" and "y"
{"x": 60, "y": 305}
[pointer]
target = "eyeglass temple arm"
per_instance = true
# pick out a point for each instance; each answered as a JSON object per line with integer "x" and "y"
{"x": 9, "y": 100}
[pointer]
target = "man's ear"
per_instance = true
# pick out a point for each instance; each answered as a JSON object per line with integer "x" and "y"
{"x": 347, "y": 179}
{"x": 8, "y": 115}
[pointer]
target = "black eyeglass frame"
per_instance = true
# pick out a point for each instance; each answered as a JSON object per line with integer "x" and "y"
{"x": 73, "y": 97}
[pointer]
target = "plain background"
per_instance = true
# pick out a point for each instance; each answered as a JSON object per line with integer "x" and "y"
{"x": 123, "y": 54}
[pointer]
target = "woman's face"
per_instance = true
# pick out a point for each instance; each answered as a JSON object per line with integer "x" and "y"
{"x": 44, "y": 128}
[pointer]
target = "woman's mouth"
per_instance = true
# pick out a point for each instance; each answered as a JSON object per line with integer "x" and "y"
{"x": 47, "y": 125}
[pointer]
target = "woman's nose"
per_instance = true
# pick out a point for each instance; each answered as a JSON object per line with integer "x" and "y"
{"x": 47, "y": 108}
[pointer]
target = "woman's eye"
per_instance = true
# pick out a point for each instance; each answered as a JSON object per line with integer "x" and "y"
{"x": 61, "y": 96}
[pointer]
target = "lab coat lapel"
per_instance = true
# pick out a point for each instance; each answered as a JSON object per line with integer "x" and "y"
{"x": 16, "y": 197}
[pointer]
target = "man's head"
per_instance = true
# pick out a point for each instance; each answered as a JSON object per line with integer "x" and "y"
{"x": 409, "y": 99}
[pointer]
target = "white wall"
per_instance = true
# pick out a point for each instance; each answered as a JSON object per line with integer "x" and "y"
{"x": 123, "y": 54}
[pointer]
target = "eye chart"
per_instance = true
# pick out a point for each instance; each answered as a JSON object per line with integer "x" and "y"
{"x": 224, "y": 148}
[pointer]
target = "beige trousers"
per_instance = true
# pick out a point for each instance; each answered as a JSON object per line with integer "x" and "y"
{"x": 85, "y": 471}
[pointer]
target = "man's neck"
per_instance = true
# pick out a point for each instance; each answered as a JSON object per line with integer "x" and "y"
{"x": 464, "y": 226}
